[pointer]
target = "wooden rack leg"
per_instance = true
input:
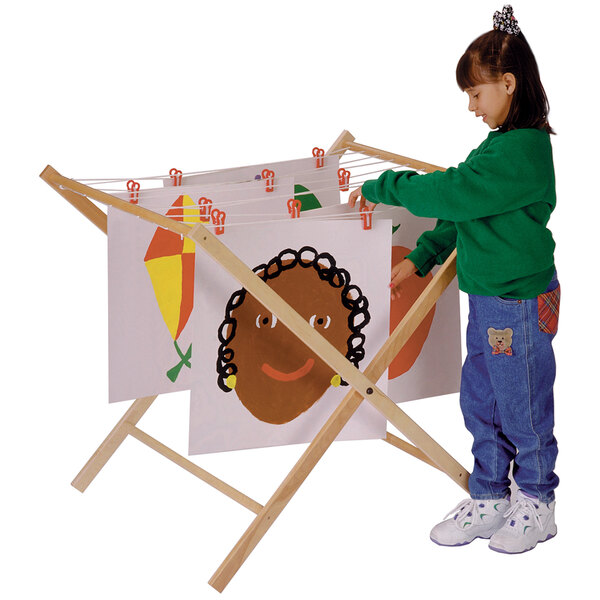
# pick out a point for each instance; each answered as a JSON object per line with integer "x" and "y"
{"x": 112, "y": 442}
{"x": 336, "y": 423}
{"x": 298, "y": 475}
{"x": 285, "y": 491}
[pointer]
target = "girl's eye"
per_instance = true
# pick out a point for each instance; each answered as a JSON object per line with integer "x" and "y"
{"x": 266, "y": 321}
{"x": 322, "y": 322}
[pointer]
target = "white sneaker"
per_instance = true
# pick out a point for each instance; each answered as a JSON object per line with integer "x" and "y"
{"x": 472, "y": 519}
{"x": 528, "y": 522}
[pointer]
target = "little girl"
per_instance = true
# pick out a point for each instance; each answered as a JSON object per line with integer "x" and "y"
{"x": 494, "y": 208}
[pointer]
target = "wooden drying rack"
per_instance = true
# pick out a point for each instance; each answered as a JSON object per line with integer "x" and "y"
{"x": 363, "y": 385}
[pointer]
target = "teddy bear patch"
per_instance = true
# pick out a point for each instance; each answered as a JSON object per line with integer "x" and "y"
{"x": 500, "y": 340}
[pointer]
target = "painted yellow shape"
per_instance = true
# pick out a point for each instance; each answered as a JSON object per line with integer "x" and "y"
{"x": 188, "y": 246}
{"x": 190, "y": 215}
{"x": 166, "y": 274}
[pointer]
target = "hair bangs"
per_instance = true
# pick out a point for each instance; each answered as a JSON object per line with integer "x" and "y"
{"x": 470, "y": 71}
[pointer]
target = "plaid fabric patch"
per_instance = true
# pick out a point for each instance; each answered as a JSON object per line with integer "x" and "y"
{"x": 548, "y": 309}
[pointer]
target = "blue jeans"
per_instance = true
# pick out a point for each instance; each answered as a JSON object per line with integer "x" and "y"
{"x": 506, "y": 394}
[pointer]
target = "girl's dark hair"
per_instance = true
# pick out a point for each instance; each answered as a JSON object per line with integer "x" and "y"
{"x": 492, "y": 55}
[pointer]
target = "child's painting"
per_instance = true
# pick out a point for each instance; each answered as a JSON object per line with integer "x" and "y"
{"x": 151, "y": 280}
{"x": 259, "y": 385}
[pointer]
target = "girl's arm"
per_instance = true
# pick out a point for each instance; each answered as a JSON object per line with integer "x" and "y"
{"x": 433, "y": 247}
{"x": 514, "y": 171}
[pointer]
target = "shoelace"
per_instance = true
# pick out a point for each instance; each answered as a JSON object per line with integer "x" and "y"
{"x": 523, "y": 511}
{"x": 464, "y": 510}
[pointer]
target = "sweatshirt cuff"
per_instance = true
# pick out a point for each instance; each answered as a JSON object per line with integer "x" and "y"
{"x": 368, "y": 191}
{"x": 422, "y": 259}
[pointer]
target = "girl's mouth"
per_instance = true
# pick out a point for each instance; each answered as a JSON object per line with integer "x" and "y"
{"x": 268, "y": 370}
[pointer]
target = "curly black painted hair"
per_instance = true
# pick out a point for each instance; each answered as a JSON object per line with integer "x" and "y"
{"x": 324, "y": 264}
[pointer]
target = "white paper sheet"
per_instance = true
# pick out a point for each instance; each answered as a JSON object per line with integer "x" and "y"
{"x": 221, "y": 420}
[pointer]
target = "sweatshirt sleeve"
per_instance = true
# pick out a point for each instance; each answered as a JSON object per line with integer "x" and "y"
{"x": 512, "y": 172}
{"x": 433, "y": 247}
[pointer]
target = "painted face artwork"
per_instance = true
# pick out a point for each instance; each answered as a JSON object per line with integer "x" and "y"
{"x": 275, "y": 376}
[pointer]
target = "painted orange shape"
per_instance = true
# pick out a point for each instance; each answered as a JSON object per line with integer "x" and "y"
{"x": 268, "y": 370}
{"x": 411, "y": 289}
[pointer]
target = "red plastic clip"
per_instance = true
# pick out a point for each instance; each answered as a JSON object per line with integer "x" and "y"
{"x": 175, "y": 175}
{"x": 218, "y": 219}
{"x": 344, "y": 177}
{"x": 366, "y": 214}
{"x": 268, "y": 176}
{"x": 205, "y": 209}
{"x": 318, "y": 153}
{"x": 294, "y": 207}
{"x": 134, "y": 189}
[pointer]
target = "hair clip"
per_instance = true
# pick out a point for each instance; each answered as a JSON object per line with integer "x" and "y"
{"x": 505, "y": 21}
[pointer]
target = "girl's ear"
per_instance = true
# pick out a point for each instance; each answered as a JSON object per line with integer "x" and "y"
{"x": 510, "y": 81}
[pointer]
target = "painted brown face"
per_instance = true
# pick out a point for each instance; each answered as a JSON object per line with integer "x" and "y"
{"x": 278, "y": 377}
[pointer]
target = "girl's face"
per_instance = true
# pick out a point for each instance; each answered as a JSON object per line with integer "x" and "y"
{"x": 492, "y": 100}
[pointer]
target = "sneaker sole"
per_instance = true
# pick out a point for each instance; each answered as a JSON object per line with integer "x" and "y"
{"x": 502, "y": 551}
{"x": 479, "y": 537}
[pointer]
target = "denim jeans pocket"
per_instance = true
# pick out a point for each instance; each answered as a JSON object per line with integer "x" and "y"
{"x": 509, "y": 301}
{"x": 548, "y": 310}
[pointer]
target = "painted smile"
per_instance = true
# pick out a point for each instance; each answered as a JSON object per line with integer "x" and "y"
{"x": 268, "y": 370}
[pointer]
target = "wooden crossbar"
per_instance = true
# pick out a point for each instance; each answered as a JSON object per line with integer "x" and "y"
{"x": 363, "y": 383}
{"x": 194, "y": 469}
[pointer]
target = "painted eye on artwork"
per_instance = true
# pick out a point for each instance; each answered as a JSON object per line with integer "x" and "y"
{"x": 266, "y": 321}
{"x": 321, "y": 322}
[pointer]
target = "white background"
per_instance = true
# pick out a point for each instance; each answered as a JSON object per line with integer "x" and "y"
{"x": 134, "y": 88}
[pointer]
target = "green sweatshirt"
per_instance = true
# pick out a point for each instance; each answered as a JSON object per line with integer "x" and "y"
{"x": 493, "y": 208}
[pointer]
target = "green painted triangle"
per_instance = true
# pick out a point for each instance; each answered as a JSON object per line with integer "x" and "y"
{"x": 309, "y": 200}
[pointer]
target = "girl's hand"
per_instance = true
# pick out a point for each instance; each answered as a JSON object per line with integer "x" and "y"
{"x": 401, "y": 271}
{"x": 356, "y": 195}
